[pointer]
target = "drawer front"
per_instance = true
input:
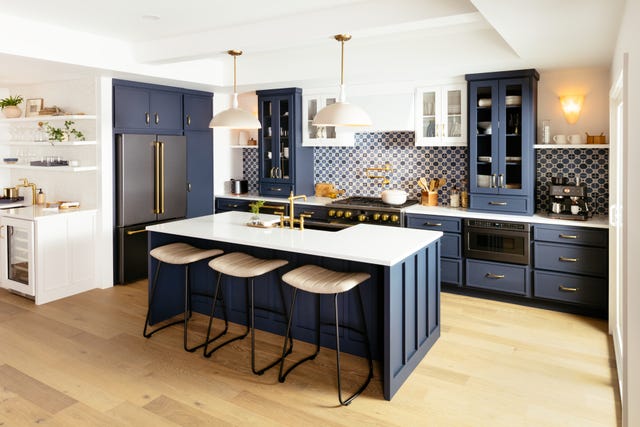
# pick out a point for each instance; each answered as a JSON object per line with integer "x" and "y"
{"x": 590, "y": 291}
{"x": 487, "y": 203}
{"x": 275, "y": 190}
{"x": 513, "y": 279}
{"x": 437, "y": 223}
{"x": 451, "y": 271}
{"x": 571, "y": 235}
{"x": 451, "y": 245}
{"x": 571, "y": 259}
{"x": 224, "y": 205}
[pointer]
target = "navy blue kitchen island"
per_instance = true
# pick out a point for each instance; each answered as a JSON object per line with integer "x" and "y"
{"x": 402, "y": 298}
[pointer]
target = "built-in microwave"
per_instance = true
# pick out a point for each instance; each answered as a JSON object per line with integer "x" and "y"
{"x": 497, "y": 241}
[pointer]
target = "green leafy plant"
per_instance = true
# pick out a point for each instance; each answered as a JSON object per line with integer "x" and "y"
{"x": 59, "y": 134}
{"x": 11, "y": 100}
{"x": 255, "y": 206}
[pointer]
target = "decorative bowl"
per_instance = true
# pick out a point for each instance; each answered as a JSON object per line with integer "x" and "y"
{"x": 394, "y": 197}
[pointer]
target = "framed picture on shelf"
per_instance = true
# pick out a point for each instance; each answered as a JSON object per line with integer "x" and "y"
{"x": 33, "y": 107}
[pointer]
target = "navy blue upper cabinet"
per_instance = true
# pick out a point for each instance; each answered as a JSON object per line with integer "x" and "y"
{"x": 502, "y": 132}
{"x": 138, "y": 106}
{"x": 284, "y": 164}
{"x": 198, "y": 111}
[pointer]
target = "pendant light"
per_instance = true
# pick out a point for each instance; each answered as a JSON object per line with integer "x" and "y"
{"x": 342, "y": 113}
{"x": 235, "y": 118}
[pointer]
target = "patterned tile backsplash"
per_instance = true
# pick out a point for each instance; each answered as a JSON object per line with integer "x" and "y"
{"x": 345, "y": 167}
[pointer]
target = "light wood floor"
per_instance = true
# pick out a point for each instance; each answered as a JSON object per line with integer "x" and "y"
{"x": 82, "y": 361}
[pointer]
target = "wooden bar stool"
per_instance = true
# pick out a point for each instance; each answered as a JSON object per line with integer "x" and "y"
{"x": 238, "y": 264}
{"x": 318, "y": 280}
{"x": 178, "y": 254}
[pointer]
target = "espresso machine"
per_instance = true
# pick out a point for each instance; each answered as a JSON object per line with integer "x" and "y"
{"x": 568, "y": 201}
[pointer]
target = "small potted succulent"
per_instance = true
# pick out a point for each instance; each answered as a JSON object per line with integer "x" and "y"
{"x": 10, "y": 107}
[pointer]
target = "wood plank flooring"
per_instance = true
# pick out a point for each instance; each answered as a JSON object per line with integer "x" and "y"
{"x": 82, "y": 361}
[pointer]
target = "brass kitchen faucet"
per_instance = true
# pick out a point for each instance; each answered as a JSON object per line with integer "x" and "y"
{"x": 292, "y": 213}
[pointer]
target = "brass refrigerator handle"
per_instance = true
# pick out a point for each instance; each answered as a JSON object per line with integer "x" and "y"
{"x": 131, "y": 233}
{"x": 156, "y": 178}
{"x": 161, "y": 177}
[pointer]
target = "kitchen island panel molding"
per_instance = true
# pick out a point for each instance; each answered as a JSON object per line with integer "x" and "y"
{"x": 404, "y": 286}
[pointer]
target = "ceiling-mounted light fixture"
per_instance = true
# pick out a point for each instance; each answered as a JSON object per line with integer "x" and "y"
{"x": 342, "y": 113}
{"x": 571, "y": 107}
{"x": 235, "y": 118}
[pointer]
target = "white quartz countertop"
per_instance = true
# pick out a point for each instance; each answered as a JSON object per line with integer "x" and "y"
{"x": 598, "y": 221}
{"x": 36, "y": 213}
{"x": 371, "y": 244}
{"x": 311, "y": 200}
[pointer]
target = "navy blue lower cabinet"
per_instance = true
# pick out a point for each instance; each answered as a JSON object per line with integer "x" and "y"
{"x": 571, "y": 259}
{"x": 496, "y": 276}
{"x": 225, "y": 205}
{"x": 451, "y": 271}
{"x": 571, "y": 288}
{"x": 402, "y": 302}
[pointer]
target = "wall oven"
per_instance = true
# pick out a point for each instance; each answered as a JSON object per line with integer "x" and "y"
{"x": 497, "y": 241}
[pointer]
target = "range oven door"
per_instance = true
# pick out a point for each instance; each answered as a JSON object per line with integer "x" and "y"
{"x": 509, "y": 243}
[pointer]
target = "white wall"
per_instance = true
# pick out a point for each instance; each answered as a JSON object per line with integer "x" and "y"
{"x": 593, "y": 83}
{"x": 627, "y": 43}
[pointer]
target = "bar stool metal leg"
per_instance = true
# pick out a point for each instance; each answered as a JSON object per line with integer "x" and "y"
{"x": 207, "y": 352}
{"x": 154, "y": 285}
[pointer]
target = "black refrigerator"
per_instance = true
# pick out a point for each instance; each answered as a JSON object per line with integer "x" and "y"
{"x": 151, "y": 187}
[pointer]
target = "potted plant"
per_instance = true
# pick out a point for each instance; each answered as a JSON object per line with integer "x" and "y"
{"x": 255, "y": 210}
{"x": 10, "y": 107}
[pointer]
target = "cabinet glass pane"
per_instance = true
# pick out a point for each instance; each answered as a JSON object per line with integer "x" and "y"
{"x": 312, "y": 110}
{"x": 428, "y": 103}
{"x": 283, "y": 148}
{"x": 18, "y": 254}
{"x": 330, "y": 131}
{"x": 267, "y": 137}
{"x": 428, "y": 127}
{"x": 513, "y": 143}
{"x": 454, "y": 113}
{"x": 484, "y": 158}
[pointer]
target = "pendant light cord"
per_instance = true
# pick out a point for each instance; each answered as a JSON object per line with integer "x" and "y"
{"x": 342, "y": 63}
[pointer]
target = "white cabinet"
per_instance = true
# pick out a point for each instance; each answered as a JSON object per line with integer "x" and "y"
{"x": 441, "y": 116}
{"x": 49, "y": 257}
{"x": 322, "y": 136}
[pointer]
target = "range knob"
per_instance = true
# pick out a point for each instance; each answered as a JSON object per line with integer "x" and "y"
{"x": 339, "y": 214}
{"x": 385, "y": 217}
{"x": 362, "y": 217}
{"x": 394, "y": 218}
{"x": 376, "y": 217}
{"x": 332, "y": 212}
{"x": 348, "y": 214}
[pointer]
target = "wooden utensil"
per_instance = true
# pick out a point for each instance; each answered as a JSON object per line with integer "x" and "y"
{"x": 424, "y": 183}
{"x": 421, "y": 185}
{"x": 442, "y": 182}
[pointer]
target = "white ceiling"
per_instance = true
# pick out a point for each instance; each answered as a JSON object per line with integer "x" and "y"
{"x": 289, "y": 42}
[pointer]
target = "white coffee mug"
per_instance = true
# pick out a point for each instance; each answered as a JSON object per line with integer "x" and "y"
{"x": 575, "y": 139}
{"x": 575, "y": 209}
{"x": 560, "y": 139}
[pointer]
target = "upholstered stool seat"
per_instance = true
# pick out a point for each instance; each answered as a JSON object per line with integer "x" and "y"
{"x": 318, "y": 280}
{"x": 241, "y": 265}
{"x": 178, "y": 254}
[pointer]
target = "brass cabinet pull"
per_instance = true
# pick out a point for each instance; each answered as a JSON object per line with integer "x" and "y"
{"x": 146, "y": 117}
{"x": 567, "y": 236}
{"x": 565, "y": 259}
{"x": 131, "y": 233}
{"x": 275, "y": 189}
{"x": 157, "y": 118}
{"x": 188, "y": 119}
{"x": 433, "y": 224}
{"x": 273, "y": 207}
{"x": 494, "y": 276}
{"x": 501, "y": 180}
{"x": 493, "y": 181}
{"x": 567, "y": 289}
{"x": 498, "y": 203}
{"x": 232, "y": 206}
{"x": 308, "y": 214}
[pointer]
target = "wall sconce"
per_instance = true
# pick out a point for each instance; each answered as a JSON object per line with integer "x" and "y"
{"x": 571, "y": 106}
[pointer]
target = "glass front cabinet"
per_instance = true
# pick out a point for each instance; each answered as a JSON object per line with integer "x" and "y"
{"x": 502, "y": 132}
{"x": 284, "y": 165}
{"x": 441, "y": 116}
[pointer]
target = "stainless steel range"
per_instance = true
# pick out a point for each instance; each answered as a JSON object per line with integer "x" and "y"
{"x": 370, "y": 210}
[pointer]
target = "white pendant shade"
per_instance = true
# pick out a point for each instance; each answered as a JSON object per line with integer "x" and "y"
{"x": 342, "y": 114}
{"x": 234, "y": 117}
